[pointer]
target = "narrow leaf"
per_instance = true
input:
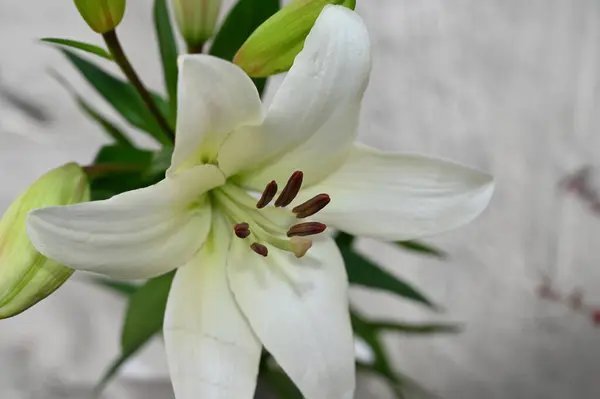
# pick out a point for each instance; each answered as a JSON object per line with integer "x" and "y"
{"x": 89, "y": 48}
{"x": 363, "y": 272}
{"x": 117, "y": 286}
{"x": 121, "y": 96}
{"x": 143, "y": 320}
{"x": 422, "y": 248}
{"x": 281, "y": 385}
{"x": 110, "y": 373}
{"x": 145, "y": 312}
{"x": 168, "y": 50}
{"x": 109, "y": 127}
{"x": 242, "y": 20}
{"x": 160, "y": 163}
{"x": 406, "y": 328}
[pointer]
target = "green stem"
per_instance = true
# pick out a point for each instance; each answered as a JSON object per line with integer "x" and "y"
{"x": 114, "y": 45}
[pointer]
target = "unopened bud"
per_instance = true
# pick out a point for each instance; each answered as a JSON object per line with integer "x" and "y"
{"x": 26, "y": 276}
{"x": 196, "y": 19}
{"x": 274, "y": 45}
{"x": 101, "y": 15}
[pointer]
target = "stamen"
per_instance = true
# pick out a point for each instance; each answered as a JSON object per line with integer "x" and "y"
{"x": 312, "y": 206}
{"x": 259, "y": 249}
{"x": 306, "y": 229}
{"x": 300, "y": 246}
{"x": 267, "y": 195}
{"x": 291, "y": 189}
{"x": 242, "y": 230}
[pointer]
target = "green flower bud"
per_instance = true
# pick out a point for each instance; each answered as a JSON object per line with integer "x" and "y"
{"x": 101, "y": 15}
{"x": 272, "y": 48}
{"x": 26, "y": 276}
{"x": 196, "y": 19}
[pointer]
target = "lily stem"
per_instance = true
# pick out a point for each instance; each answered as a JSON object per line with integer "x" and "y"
{"x": 114, "y": 45}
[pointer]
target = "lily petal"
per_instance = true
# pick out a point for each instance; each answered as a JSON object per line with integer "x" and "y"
{"x": 138, "y": 234}
{"x": 214, "y": 98}
{"x": 299, "y": 310}
{"x": 211, "y": 349}
{"x": 313, "y": 119}
{"x": 401, "y": 196}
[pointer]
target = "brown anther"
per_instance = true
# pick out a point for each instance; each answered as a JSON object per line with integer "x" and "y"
{"x": 267, "y": 195}
{"x": 259, "y": 249}
{"x": 242, "y": 230}
{"x": 312, "y": 206}
{"x": 306, "y": 229}
{"x": 291, "y": 189}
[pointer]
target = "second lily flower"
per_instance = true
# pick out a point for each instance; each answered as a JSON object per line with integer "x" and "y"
{"x": 253, "y": 272}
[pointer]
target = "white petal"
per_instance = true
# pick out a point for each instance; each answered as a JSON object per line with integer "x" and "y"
{"x": 401, "y": 196}
{"x": 215, "y": 97}
{"x": 314, "y": 115}
{"x": 299, "y": 310}
{"x": 138, "y": 234}
{"x": 211, "y": 349}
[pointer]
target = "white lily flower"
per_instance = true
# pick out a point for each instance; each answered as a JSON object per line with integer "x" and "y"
{"x": 242, "y": 282}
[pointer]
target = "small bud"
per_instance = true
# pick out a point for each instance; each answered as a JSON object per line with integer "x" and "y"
{"x": 274, "y": 45}
{"x": 26, "y": 276}
{"x": 196, "y": 19}
{"x": 101, "y": 15}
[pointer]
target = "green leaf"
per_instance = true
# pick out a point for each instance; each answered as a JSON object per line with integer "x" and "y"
{"x": 406, "y": 328}
{"x": 110, "y": 373}
{"x": 121, "y": 96}
{"x": 118, "y": 169}
{"x": 363, "y": 272}
{"x": 90, "y": 48}
{"x": 143, "y": 320}
{"x": 160, "y": 162}
{"x": 145, "y": 312}
{"x": 281, "y": 385}
{"x": 242, "y": 20}
{"x": 117, "y": 286}
{"x": 168, "y": 50}
{"x": 422, "y": 248}
{"x": 109, "y": 127}
{"x": 370, "y": 331}
{"x": 381, "y": 364}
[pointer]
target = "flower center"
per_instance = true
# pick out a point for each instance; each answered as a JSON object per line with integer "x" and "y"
{"x": 265, "y": 225}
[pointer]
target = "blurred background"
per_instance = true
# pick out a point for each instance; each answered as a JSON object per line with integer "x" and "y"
{"x": 509, "y": 86}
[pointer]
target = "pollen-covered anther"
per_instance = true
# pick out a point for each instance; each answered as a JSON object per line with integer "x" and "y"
{"x": 291, "y": 190}
{"x": 242, "y": 230}
{"x": 267, "y": 195}
{"x": 312, "y": 206}
{"x": 259, "y": 249}
{"x": 300, "y": 246}
{"x": 306, "y": 229}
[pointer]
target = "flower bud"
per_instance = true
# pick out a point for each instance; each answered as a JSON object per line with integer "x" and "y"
{"x": 101, "y": 15}
{"x": 274, "y": 45}
{"x": 26, "y": 276}
{"x": 196, "y": 20}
